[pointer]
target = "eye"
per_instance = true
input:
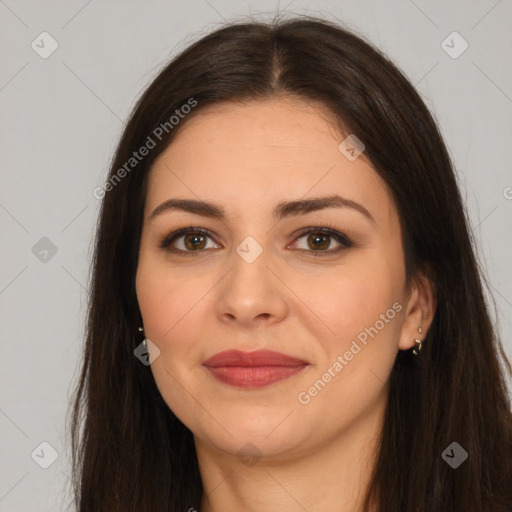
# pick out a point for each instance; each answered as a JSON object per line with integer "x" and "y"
{"x": 194, "y": 240}
{"x": 319, "y": 239}
{"x": 191, "y": 240}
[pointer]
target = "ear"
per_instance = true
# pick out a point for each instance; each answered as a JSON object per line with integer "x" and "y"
{"x": 419, "y": 311}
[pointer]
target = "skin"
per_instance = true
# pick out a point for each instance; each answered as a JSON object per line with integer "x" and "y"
{"x": 248, "y": 157}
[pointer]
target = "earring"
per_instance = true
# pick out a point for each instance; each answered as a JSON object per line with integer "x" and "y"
{"x": 418, "y": 342}
{"x": 141, "y": 329}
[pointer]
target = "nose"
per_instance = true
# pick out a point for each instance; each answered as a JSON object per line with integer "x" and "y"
{"x": 252, "y": 293}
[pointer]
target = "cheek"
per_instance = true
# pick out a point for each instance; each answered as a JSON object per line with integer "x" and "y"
{"x": 158, "y": 298}
{"x": 363, "y": 312}
{"x": 362, "y": 309}
{"x": 171, "y": 303}
{"x": 354, "y": 299}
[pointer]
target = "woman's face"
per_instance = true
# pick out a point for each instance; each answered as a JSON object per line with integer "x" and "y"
{"x": 263, "y": 277}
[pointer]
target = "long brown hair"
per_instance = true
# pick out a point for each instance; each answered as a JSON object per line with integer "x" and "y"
{"x": 129, "y": 450}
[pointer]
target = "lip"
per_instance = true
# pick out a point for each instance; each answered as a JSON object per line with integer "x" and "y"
{"x": 255, "y": 358}
{"x": 253, "y": 369}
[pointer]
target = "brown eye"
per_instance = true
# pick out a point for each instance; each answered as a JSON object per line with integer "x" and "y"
{"x": 186, "y": 240}
{"x": 194, "y": 241}
{"x": 319, "y": 240}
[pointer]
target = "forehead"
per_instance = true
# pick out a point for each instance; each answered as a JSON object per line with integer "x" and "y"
{"x": 255, "y": 154}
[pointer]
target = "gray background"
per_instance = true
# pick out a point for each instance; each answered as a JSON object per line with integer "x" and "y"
{"x": 59, "y": 124}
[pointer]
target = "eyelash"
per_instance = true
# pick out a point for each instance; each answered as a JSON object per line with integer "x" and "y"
{"x": 325, "y": 229}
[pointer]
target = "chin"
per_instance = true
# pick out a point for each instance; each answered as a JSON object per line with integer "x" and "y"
{"x": 264, "y": 437}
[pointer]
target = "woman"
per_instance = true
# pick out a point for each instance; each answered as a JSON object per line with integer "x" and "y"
{"x": 286, "y": 311}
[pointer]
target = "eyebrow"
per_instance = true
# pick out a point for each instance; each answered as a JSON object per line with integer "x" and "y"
{"x": 282, "y": 210}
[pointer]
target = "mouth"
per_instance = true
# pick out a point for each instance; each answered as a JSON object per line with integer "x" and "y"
{"x": 253, "y": 369}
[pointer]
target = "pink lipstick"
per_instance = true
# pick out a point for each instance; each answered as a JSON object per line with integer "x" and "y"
{"x": 253, "y": 369}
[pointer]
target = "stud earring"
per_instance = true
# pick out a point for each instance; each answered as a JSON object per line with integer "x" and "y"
{"x": 418, "y": 342}
{"x": 144, "y": 342}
